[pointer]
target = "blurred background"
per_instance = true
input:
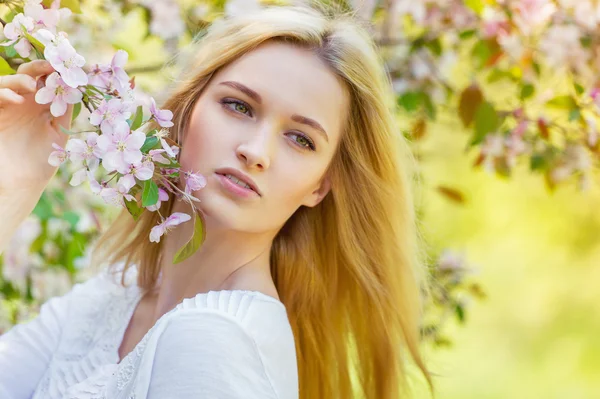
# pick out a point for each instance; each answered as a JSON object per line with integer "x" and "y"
{"x": 499, "y": 100}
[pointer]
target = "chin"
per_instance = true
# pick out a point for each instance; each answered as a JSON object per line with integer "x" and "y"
{"x": 220, "y": 210}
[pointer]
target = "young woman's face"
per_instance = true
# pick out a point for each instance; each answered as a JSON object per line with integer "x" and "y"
{"x": 272, "y": 119}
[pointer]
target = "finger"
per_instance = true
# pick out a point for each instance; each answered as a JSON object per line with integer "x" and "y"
{"x": 18, "y": 83}
{"x": 7, "y": 96}
{"x": 35, "y": 68}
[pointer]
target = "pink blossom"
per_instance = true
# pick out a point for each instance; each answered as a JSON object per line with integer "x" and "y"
{"x": 162, "y": 228}
{"x": 193, "y": 182}
{"x": 49, "y": 38}
{"x": 495, "y": 23}
{"x": 99, "y": 76}
{"x": 87, "y": 150}
{"x": 79, "y": 177}
{"x": 562, "y": 46}
{"x": 530, "y": 14}
{"x": 163, "y": 116}
{"x": 67, "y": 62}
{"x": 14, "y": 32}
{"x": 59, "y": 156}
{"x": 112, "y": 112}
{"x": 156, "y": 156}
{"x": 117, "y": 70}
{"x": 141, "y": 171}
{"x": 121, "y": 148}
{"x": 162, "y": 196}
{"x": 42, "y": 17}
{"x": 115, "y": 196}
{"x": 58, "y": 93}
{"x": 166, "y": 19}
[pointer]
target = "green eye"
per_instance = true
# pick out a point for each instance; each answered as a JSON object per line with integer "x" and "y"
{"x": 241, "y": 108}
{"x": 303, "y": 141}
{"x": 238, "y": 106}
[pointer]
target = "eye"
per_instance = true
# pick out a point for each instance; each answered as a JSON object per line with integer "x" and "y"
{"x": 239, "y": 106}
{"x": 303, "y": 141}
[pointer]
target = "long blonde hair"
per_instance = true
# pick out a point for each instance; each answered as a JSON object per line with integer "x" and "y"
{"x": 349, "y": 270}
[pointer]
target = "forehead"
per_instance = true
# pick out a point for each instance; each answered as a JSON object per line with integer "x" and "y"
{"x": 291, "y": 80}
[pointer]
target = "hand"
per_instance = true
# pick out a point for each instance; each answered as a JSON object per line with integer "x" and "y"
{"x": 27, "y": 130}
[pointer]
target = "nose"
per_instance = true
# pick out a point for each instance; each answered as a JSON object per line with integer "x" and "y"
{"x": 255, "y": 152}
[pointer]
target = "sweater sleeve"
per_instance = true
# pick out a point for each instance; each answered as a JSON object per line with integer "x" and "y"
{"x": 207, "y": 354}
{"x": 27, "y": 348}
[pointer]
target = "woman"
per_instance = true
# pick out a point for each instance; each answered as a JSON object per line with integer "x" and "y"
{"x": 307, "y": 284}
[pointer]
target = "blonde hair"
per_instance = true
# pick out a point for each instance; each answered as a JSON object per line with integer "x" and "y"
{"x": 348, "y": 270}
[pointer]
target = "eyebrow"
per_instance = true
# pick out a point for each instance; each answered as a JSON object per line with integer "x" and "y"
{"x": 295, "y": 117}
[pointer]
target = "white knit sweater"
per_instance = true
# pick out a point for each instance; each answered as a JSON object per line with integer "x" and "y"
{"x": 228, "y": 344}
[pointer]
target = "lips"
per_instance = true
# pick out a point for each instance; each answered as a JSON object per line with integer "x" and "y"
{"x": 240, "y": 176}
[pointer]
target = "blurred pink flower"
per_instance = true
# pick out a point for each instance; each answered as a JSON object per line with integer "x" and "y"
{"x": 531, "y": 14}
{"x": 562, "y": 46}
{"x": 14, "y": 32}
{"x": 42, "y": 17}
{"x": 162, "y": 228}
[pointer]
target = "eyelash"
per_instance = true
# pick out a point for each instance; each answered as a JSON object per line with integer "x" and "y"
{"x": 225, "y": 102}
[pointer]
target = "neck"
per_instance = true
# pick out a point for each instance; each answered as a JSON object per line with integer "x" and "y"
{"x": 224, "y": 255}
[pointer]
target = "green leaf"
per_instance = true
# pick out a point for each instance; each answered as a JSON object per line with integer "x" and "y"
{"x": 564, "y": 102}
{"x": 429, "y": 107}
{"x": 460, "y": 313}
{"x": 574, "y": 114}
{"x": 76, "y": 111}
{"x": 72, "y": 5}
{"x": 43, "y": 208}
{"x": 410, "y": 100}
{"x": 69, "y": 132}
{"x": 486, "y": 121}
{"x": 150, "y": 194}
{"x": 39, "y": 46}
{"x": 137, "y": 119}
{"x": 10, "y": 51}
{"x": 71, "y": 217}
{"x": 538, "y": 162}
{"x": 134, "y": 209}
{"x": 497, "y": 75}
{"x": 149, "y": 144}
{"x": 578, "y": 88}
{"x": 527, "y": 91}
{"x": 5, "y": 68}
{"x": 475, "y": 5}
{"x": 435, "y": 46}
{"x": 465, "y": 34}
{"x": 194, "y": 243}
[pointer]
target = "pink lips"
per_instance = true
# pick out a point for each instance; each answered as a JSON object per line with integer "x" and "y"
{"x": 234, "y": 188}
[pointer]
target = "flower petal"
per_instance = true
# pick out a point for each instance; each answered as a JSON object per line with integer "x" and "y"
{"x": 72, "y": 96}
{"x": 156, "y": 233}
{"x": 45, "y": 95}
{"x": 58, "y": 107}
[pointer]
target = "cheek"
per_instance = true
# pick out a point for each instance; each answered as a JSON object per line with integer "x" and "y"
{"x": 201, "y": 143}
{"x": 293, "y": 183}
